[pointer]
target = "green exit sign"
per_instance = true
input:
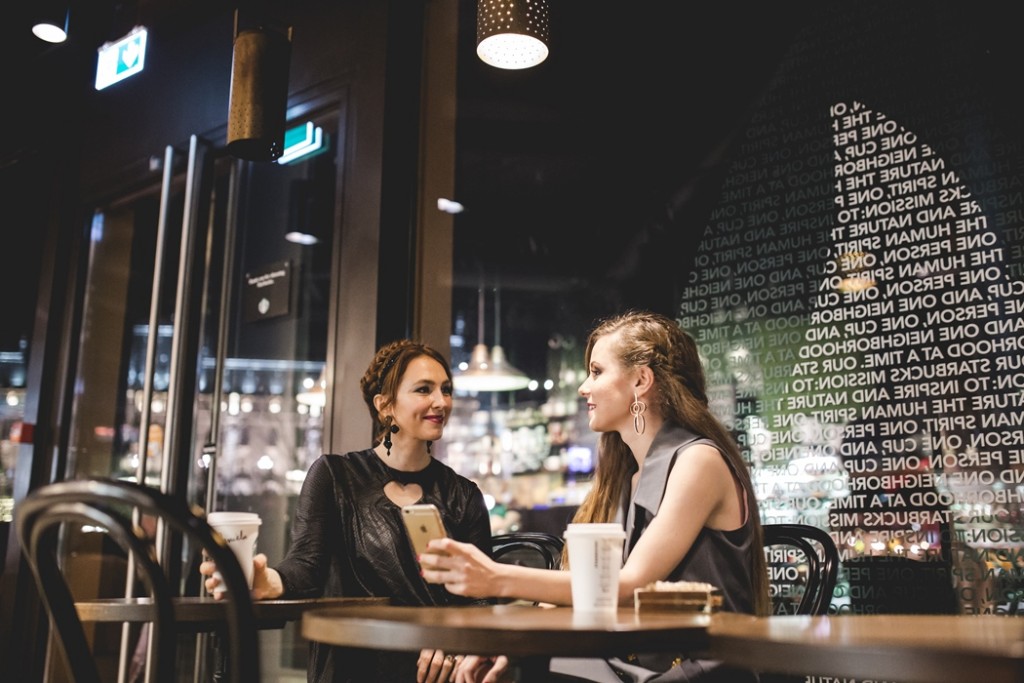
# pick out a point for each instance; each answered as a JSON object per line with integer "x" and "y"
{"x": 121, "y": 58}
{"x": 302, "y": 141}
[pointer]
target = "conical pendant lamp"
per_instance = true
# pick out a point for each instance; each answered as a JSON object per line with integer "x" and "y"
{"x": 489, "y": 371}
{"x": 315, "y": 395}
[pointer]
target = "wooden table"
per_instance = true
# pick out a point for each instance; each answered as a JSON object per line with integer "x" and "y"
{"x": 529, "y": 635}
{"x": 905, "y": 648}
{"x": 206, "y": 614}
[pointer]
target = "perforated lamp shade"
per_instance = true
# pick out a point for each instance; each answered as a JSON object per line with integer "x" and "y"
{"x": 512, "y": 34}
{"x": 258, "y": 99}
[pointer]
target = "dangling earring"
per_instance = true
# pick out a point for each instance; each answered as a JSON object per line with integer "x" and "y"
{"x": 637, "y": 409}
{"x": 388, "y": 431}
{"x": 429, "y": 444}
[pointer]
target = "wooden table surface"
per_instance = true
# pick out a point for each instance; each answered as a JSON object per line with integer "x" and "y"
{"x": 906, "y": 648}
{"x": 514, "y": 630}
{"x": 206, "y": 613}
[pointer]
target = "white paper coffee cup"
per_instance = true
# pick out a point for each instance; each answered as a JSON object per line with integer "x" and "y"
{"x": 595, "y": 557}
{"x": 240, "y": 530}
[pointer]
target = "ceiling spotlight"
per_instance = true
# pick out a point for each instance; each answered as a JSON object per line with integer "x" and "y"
{"x": 53, "y": 27}
{"x": 448, "y": 206}
{"x": 303, "y": 238}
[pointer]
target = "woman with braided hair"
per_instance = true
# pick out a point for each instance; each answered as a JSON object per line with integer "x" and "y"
{"x": 348, "y": 537}
{"x": 670, "y": 474}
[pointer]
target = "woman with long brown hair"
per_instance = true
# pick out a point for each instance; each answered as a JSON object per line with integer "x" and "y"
{"x": 670, "y": 473}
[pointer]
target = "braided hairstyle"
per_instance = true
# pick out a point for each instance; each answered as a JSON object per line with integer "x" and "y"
{"x": 680, "y": 396}
{"x": 385, "y": 374}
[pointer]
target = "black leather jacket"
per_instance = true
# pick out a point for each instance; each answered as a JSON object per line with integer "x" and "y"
{"x": 348, "y": 540}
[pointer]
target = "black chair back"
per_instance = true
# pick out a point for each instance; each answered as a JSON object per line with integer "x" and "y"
{"x": 821, "y": 556}
{"x": 109, "y": 504}
{"x": 528, "y": 548}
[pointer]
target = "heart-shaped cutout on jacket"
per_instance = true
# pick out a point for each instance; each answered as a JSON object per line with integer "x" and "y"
{"x": 400, "y": 494}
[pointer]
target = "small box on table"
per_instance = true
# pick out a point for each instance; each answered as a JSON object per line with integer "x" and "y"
{"x": 663, "y": 596}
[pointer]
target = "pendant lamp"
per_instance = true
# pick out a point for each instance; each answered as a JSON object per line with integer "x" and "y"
{"x": 489, "y": 370}
{"x": 512, "y": 34}
{"x": 52, "y": 22}
{"x": 258, "y": 98}
{"x": 854, "y": 272}
{"x": 315, "y": 395}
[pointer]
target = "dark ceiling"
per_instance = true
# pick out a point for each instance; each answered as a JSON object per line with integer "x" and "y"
{"x": 38, "y": 75}
{"x": 600, "y": 163}
{"x": 94, "y": 22}
{"x": 626, "y": 119}
{"x": 592, "y": 170}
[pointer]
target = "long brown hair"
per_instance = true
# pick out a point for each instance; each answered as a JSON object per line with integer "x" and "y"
{"x": 662, "y": 345}
{"x": 385, "y": 374}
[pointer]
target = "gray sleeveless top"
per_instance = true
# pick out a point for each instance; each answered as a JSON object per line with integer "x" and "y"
{"x": 721, "y": 558}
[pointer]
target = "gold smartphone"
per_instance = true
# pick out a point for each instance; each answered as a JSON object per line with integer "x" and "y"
{"x": 422, "y": 523}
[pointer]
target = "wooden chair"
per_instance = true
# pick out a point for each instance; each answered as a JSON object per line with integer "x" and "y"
{"x": 528, "y": 548}
{"x": 821, "y": 556}
{"x": 110, "y": 505}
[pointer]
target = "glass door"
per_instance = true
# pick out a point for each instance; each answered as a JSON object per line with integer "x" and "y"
{"x": 202, "y": 341}
{"x": 23, "y": 243}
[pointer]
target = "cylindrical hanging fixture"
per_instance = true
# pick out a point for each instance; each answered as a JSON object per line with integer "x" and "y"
{"x": 258, "y": 102}
{"x": 512, "y": 34}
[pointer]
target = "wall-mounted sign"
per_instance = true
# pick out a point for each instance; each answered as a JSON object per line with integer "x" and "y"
{"x": 121, "y": 58}
{"x": 268, "y": 292}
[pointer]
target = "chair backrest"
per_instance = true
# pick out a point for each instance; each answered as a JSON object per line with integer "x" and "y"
{"x": 528, "y": 548}
{"x": 820, "y": 555}
{"x": 109, "y": 504}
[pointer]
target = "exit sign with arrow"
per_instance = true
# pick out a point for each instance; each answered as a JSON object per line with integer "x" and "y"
{"x": 121, "y": 58}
